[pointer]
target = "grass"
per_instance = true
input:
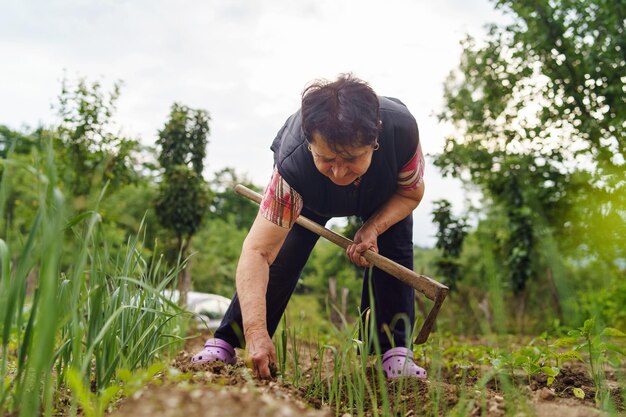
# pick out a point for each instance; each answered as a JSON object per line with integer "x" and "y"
{"x": 71, "y": 323}
{"x": 464, "y": 376}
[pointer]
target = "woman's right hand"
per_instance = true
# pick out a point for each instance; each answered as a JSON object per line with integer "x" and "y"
{"x": 261, "y": 354}
{"x": 259, "y": 251}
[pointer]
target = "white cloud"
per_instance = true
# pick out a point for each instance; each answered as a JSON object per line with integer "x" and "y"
{"x": 245, "y": 61}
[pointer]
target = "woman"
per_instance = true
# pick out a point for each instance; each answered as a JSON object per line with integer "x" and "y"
{"x": 345, "y": 152}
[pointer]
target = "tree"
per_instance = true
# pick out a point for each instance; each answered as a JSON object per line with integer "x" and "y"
{"x": 539, "y": 111}
{"x": 226, "y": 203}
{"x": 450, "y": 235}
{"x": 214, "y": 267}
{"x": 546, "y": 90}
{"x": 21, "y": 142}
{"x": 183, "y": 195}
{"x": 328, "y": 263}
{"x": 549, "y": 79}
{"x": 90, "y": 151}
{"x": 18, "y": 195}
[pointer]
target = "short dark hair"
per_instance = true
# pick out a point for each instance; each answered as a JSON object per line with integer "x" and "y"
{"x": 345, "y": 112}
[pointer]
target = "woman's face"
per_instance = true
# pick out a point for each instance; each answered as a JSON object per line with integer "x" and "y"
{"x": 343, "y": 167}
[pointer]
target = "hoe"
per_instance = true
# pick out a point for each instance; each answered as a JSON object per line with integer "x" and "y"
{"x": 432, "y": 289}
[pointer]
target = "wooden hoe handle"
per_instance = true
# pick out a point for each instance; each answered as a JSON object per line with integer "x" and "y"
{"x": 432, "y": 289}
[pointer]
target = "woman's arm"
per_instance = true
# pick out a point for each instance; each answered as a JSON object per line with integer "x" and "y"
{"x": 400, "y": 205}
{"x": 259, "y": 251}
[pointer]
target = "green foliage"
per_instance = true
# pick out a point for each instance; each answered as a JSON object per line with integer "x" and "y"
{"x": 91, "y": 152}
{"x": 21, "y": 142}
{"x": 540, "y": 97}
{"x": 538, "y": 107}
{"x": 520, "y": 190}
{"x": 348, "y": 381}
{"x": 226, "y": 204}
{"x": 92, "y": 405}
{"x": 20, "y": 196}
{"x": 555, "y": 68}
{"x": 424, "y": 260}
{"x": 72, "y": 322}
{"x": 133, "y": 380}
{"x": 126, "y": 209}
{"x": 605, "y": 303}
{"x": 450, "y": 235}
{"x": 129, "y": 382}
{"x": 353, "y": 226}
{"x": 86, "y": 139}
{"x": 183, "y": 196}
{"x": 220, "y": 238}
{"x": 579, "y": 47}
{"x": 597, "y": 342}
{"x": 326, "y": 261}
{"x": 310, "y": 319}
{"x": 183, "y": 139}
{"x": 182, "y": 201}
{"x": 579, "y": 393}
{"x": 218, "y": 244}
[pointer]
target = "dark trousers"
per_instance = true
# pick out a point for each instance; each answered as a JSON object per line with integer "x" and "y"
{"x": 393, "y": 299}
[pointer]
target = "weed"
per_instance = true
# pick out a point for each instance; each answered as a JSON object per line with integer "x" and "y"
{"x": 596, "y": 343}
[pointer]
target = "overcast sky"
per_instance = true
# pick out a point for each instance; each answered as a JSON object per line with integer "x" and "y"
{"x": 245, "y": 61}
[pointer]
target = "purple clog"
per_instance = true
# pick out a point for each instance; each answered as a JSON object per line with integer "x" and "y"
{"x": 398, "y": 362}
{"x": 217, "y": 350}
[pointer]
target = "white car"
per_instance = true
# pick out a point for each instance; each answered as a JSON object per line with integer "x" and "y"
{"x": 208, "y": 309}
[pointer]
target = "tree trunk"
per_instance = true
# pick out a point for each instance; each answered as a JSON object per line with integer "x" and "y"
{"x": 344, "y": 301}
{"x": 486, "y": 309}
{"x": 421, "y": 307}
{"x": 420, "y": 303}
{"x": 337, "y": 311}
{"x": 521, "y": 310}
{"x": 335, "y": 316}
{"x": 184, "y": 276}
{"x": 555, "y": 295}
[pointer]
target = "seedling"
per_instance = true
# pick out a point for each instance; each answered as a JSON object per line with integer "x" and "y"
{"x": 597, "y": 344}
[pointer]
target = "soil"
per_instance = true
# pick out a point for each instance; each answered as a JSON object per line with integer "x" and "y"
{"x": 216, "y": 390}
{"x": 223, "y": 391}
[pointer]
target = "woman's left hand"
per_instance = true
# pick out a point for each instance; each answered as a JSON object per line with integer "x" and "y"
{"x": 366, "y": 238}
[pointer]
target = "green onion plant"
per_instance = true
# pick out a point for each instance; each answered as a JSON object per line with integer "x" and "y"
{"x": 71, "y": 323}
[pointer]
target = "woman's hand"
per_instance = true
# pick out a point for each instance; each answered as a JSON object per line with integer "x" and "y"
{"x": 259, "y": 251}
{"x": 400, "y": 205}
{"x": 261, "y": 353}
{"x": 366, "y": 238}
